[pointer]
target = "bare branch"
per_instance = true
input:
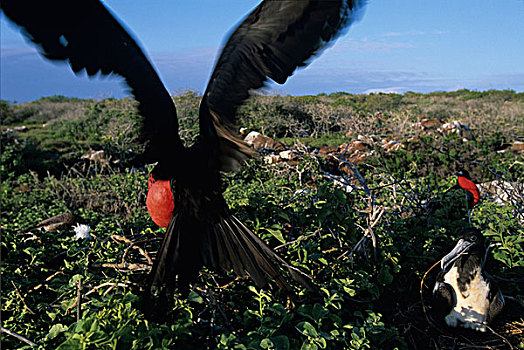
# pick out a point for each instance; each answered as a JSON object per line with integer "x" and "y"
{"x": 17, "y": 336}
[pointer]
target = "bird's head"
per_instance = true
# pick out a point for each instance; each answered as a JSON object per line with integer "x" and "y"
{"x": 464, "y": 173}
{"x": 164, "y": 170}
{"x": 471, "y": 241}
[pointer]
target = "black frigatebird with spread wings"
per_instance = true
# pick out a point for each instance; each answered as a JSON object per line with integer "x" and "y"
{"x": 270, "y": 43}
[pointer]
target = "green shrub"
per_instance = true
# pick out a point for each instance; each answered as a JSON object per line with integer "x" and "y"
{"x": 367, "y": 249}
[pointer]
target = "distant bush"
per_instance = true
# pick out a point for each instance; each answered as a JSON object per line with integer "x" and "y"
{"x": 58, "y": 98}
{"x": 18, "y": 157}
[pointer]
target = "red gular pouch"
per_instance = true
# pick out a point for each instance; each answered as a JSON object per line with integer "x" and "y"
{"x": 464, "y": 182}
{"x": 160, "y": 201}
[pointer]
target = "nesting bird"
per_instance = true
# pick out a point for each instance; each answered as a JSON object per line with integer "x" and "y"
{"x": 270, "y": 43}
{"x": 463, "y": 292}
{"x": 58, "y": 222}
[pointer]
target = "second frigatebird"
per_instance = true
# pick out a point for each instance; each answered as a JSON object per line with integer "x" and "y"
{"x": 463, "y": 292}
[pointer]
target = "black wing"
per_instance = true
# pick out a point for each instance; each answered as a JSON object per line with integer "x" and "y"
{"x": 444, "y": 297}
{"x": 495, "y": 298}
{"x": 274, "y": 39}
{"x": 87, "y": 35}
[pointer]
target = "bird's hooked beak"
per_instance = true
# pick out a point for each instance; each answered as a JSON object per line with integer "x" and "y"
{"x": 461, "y": 247}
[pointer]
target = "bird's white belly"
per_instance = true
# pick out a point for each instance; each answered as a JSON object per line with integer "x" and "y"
{"x": 470, "y": 310}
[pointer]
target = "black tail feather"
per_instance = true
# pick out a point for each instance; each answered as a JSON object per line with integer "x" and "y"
{"x": 224, "y": 243}
{"x": 270, "y": 259}
{"x": 178, "y": 256}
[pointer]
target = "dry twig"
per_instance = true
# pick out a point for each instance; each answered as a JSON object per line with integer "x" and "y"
{"x": 299, "y": 239}
{"x": 22, "y": 298}
{"x": 79, "y": 300}
{"x": 17, "y": 336}
{"x": 132, "y": 245}
{"x": 110, "y": 284}
{"x": 124, "y": 266}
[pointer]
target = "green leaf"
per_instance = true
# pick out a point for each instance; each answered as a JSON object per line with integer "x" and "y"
{"x": 321, "y": 342}
{"x": 309, "y": 346}
{"x": 319, "y": 312}
{"x": 194, "y": 297}
{"x": 70, "y": 344}
{"x": 284, "y": 216}
{"x": 266, "y": 343}
{"x": 307, "y": 329}
{"x": 281, "y": 342}
{"x": 55, "y": 330}
{"x": 276, "y": 233}
{"x": 384, "y": 276}
{"x": 95, "y": 326}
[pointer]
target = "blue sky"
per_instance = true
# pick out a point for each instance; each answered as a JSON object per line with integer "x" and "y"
{"x": 397, "y": 46}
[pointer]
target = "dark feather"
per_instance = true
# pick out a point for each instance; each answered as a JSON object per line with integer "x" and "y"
{"x": 496, "y": 301}
{"x": 468, "y": 267}
{"x": 495, "y": 297}
{"x": 444, "y": 298}
{"x": 274, "y": 39}
{"x": 86, "y": 35}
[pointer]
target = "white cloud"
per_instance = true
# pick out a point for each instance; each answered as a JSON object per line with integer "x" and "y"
{"x": 408, "y": 33}
{"x": 367, "y": 44}
{"x": 389, "y": 90}
{"x": 415, "y": 33}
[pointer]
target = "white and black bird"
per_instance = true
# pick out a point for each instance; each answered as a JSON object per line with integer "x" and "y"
{"x": 273, "y": 40}
{"x": 463, "y": 294}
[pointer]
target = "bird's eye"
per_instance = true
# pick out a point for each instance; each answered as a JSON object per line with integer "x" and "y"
{"x": 473, "y": 238}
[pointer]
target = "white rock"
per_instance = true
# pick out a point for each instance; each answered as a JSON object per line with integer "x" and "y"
{"x": 251, "y": 137}
{"x": 271, "y": 159}
{"x": 288, "y": 155}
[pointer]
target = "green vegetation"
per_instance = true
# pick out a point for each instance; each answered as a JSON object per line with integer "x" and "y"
{"x": 367, "y": 248}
